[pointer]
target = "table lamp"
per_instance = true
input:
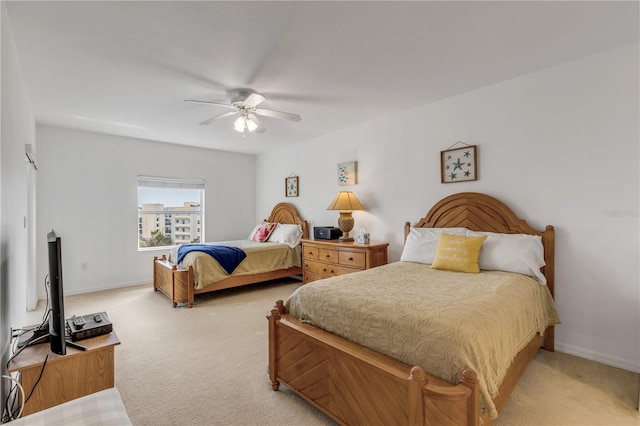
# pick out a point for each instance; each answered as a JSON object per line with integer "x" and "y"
{"x": 345, "y": 202}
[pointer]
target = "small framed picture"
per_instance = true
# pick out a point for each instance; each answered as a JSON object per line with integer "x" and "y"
{"x": 459, "y": 164}
{"x": 348, "y": 173}
{"x": 291, "y": 186}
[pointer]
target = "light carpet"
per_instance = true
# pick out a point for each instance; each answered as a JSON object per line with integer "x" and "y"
{"x": 208, "y": 366}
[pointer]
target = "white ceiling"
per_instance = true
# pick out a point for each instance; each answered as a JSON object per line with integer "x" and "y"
{"x": 126, "y": 67}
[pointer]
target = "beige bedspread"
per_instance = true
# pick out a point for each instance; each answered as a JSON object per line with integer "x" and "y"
{"x": 442, "y": 321}
{"x": 261, "y": 257}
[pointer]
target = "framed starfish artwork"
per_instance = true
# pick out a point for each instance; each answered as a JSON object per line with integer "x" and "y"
{"x": 459, "y": 164}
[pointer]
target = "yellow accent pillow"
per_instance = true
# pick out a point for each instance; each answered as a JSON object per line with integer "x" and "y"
{"x": 457, "y": 253}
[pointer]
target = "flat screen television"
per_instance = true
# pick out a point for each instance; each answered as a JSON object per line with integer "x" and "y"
{"x": 57, "y": 326}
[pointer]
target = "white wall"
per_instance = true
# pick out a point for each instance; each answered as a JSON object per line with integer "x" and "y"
{"x": 17, "y": 128}
{"x": 559, "y": 146}
{"x": 87, "y": 192}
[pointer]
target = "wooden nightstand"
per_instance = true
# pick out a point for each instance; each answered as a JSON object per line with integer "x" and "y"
{"x": 329, "y": 258}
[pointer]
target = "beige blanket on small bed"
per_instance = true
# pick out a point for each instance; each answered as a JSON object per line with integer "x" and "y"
{"x": 261, "y": 257}
{"x": 442, "y": 321}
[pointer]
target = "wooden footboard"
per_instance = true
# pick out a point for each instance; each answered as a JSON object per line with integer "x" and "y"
{"x": 355, "y": 385}
{"x": 176, "y": 284}
{"x": 179, "y": 284}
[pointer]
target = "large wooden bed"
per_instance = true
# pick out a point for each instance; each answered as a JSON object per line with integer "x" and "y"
{"x": 179, "y": 286}
{"x": 356, "y": 385}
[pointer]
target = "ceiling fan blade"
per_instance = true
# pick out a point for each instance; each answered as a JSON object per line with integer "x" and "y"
{"x": 260, "y": 128}
{"x": 278, "y": 114}
{"x": 211, "y": 103}
{"x": 254, "y": 99}
{"x": 226, "y": 114}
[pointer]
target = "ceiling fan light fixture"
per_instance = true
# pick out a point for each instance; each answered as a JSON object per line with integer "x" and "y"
{"x": 251, "y": 125}
{"x": 243, "y": 123}
{"x": 239, "y": 124}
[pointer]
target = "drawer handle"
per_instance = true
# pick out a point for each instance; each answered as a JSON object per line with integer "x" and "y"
{"x": 324, "y": 270}
{"x": 351, "y": 259}
{"x": 327, "y": 255}
{"x": 332, "y": 272}
{"x": 310, "y": 253}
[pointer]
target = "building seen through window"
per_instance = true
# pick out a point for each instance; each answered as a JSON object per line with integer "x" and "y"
{"x": 170, "y": 212}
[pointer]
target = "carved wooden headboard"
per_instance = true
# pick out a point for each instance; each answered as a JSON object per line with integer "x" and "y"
{"x": 481, "y": 212}
{"x": 286, "y": 213}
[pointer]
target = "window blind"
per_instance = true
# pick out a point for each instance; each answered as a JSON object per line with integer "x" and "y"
{"x": 163, "y": 182}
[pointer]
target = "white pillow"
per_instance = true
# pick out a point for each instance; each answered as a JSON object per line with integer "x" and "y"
{"x": 520, "y": 253}
{"x": 422, "y": 243}
{"x": 286, "y": 233}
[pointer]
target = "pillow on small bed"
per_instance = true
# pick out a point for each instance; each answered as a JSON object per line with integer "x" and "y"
{"x": 520, "y": 253}
{"x": 458, "y": 253}
{"x": 422, "y": 243}
{"x": 253, "y": 233}
{"x": 287, "y": 234}
{"x": 264, "y": 230}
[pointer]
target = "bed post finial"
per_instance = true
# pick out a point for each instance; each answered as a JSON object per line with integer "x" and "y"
{"x": 417, "y": 382}
{"x": 275, "y": 314}
{"x": 274, "y": 319}
{"x": 277, "y": 310}
{"x": 469, "y": 378}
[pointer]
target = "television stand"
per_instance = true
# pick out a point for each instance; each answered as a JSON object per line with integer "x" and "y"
{"x": 65, "y": 377}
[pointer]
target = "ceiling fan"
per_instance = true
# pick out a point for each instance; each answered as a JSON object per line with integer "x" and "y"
{"x": 244, "y": 103}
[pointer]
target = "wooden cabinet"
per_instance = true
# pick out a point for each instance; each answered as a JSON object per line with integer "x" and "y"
{"x": 328, "y": 258}
{"x": 63, "y": 378}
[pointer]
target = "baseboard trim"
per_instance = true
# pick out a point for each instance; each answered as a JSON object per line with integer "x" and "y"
{"x": 101, "y": 288}
{"x": 598, "y": 357}
{"x": 107, "y": 287}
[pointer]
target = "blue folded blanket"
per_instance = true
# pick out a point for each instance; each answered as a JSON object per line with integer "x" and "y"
{"x": 228, "y": 257}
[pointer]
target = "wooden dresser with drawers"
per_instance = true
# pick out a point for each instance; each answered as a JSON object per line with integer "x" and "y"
{"x": 328, "y": 258}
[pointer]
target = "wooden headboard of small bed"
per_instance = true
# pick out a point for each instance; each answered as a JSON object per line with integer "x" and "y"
{"x": 287, "y": 214}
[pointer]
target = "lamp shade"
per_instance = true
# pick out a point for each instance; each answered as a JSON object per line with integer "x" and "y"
{"x": 345, "y": 201}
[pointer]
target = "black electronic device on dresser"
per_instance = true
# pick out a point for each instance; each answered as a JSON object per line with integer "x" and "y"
{"x": 88, "y": 326}
{"x": 326, "y": 233}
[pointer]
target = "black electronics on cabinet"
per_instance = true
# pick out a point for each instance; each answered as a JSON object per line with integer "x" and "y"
{"x": 326, "y": 233}
{"x": 88, "y": 326}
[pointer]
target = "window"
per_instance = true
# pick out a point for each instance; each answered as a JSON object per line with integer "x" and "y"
{"x": 167, "y": 208}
